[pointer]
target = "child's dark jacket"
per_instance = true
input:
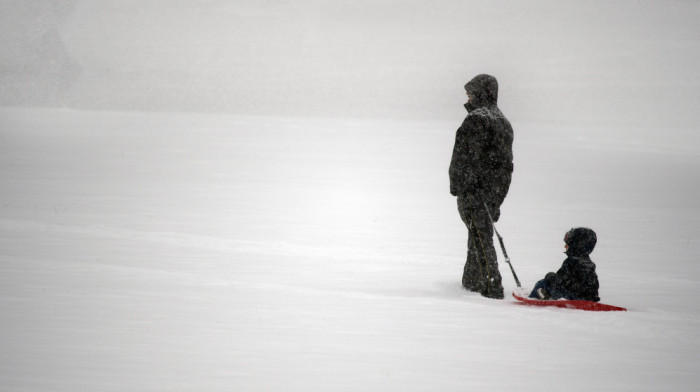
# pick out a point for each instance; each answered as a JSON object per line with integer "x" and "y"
{"x": 576, "y": 279}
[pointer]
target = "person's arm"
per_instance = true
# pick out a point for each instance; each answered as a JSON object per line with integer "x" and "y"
{"x": 466, "y": 164}
{"x": 458, "y": 163}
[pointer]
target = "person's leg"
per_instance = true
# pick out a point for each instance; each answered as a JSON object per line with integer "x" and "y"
{"x": 482, "y": 266}
{"x": 472, "y": 278}
{"x": 472, "y": 268}
{"x": 542, "y": 284}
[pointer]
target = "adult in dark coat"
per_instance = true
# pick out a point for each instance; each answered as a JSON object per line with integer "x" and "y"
{"x": 576, "y": 279}
{"x": 480, "y": 175}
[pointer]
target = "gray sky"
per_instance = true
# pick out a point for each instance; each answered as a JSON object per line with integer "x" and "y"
{"x": 632, "y": 62}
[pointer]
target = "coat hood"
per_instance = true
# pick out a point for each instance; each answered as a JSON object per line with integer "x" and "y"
{"x": 581, "y": 241}
{"x": 484, "y": 89}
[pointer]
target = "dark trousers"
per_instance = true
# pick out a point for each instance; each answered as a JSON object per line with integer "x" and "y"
{"x": 553, "y": 291}
{"x": 542, "y": 284}
{"x": 481, "y": 269}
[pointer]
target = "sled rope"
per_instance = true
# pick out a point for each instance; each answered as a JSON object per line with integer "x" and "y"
{"x": 503, "y": 247}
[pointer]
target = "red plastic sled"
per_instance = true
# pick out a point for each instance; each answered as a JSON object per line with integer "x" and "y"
{"x": 568, "y": 303}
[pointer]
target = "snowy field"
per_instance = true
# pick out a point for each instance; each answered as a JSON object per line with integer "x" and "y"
{"x": 213, "y": 252}
{"x": 253, "y": 195}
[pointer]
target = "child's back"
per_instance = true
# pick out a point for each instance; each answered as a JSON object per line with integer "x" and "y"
{"x": 576, "y": 279}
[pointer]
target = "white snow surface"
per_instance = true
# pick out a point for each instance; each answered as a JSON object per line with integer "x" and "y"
{"x": 216, "y": 252}
{"x": 300, "y": 236}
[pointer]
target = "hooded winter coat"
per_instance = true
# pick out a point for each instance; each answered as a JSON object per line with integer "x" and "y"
{"x": 482, "y": 158}
{"x": 576, "y": 279}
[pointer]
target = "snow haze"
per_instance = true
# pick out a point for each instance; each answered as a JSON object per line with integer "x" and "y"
{"x": 253, "y": 195}
{"x": 594, "y": 61}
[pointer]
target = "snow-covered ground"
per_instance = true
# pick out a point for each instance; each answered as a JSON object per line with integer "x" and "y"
{"x": 215, "y": 252}
{"x": 301, "y": 235}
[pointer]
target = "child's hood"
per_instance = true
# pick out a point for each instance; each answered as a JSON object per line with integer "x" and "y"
{"x": 581, "y": 241}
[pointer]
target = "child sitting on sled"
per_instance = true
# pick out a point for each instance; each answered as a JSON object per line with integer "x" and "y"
{"x": 576, "y": 279}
